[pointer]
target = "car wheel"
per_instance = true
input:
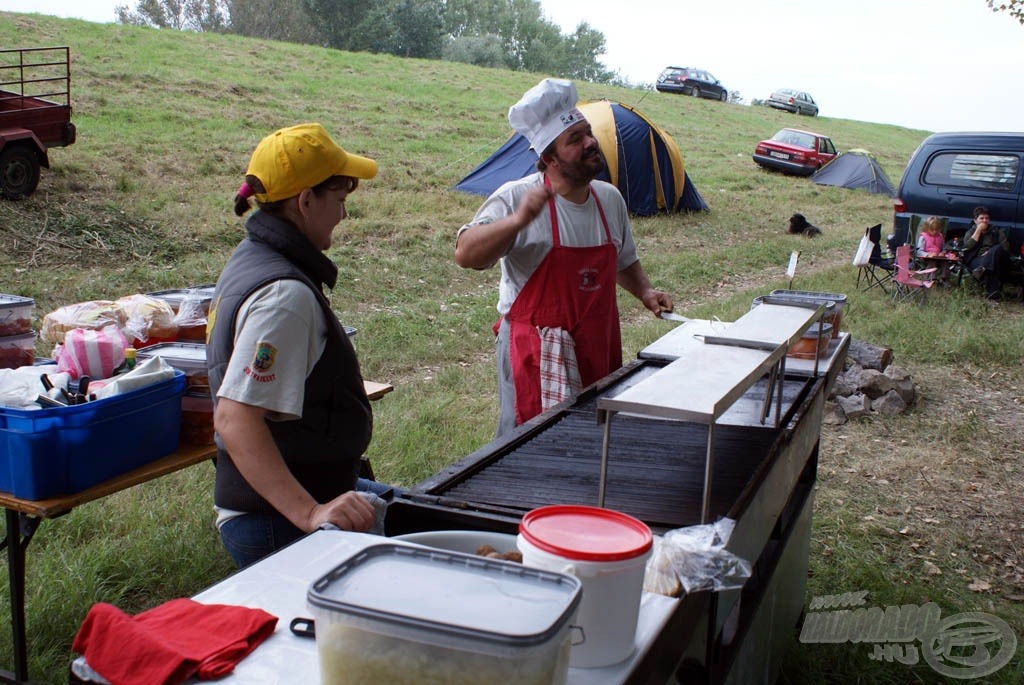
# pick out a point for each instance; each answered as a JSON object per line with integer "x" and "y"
{"x": 724, "y": 96}
{"x": 695, "y": 91}
{"x": 19, "y": 172}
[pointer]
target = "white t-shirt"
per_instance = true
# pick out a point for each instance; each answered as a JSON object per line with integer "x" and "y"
{"x": 280, "y": 334}
{"x": 578, "y": 226}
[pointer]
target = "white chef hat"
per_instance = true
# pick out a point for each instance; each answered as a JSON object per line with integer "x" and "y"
{"x": 545, "y": 111}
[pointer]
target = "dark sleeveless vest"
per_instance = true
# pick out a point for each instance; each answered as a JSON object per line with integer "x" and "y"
{"x": 323, "y": 448}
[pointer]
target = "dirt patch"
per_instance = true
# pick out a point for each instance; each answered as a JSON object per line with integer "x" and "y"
{"x": 959, "y": 490}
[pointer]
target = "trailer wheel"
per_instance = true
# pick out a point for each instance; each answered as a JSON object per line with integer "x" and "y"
{"x": 19, "y": 172}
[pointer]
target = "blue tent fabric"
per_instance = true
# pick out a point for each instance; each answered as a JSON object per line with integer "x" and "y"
{"x": 644, "y": 169}
{"x": 855, "y": 169}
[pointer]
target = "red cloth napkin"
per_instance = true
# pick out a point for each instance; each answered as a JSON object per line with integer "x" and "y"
{"x": 170, "y": 643}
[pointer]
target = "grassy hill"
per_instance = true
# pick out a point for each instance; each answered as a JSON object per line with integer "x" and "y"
{"x": 142, "y": 202}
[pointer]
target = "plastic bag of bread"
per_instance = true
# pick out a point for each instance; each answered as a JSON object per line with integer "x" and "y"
{"x": 93, "y": 315}
{"x": 147, "y": 319}
{"x": 693, "y": 559}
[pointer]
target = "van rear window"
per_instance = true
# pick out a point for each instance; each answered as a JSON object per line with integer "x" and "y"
{"x": 972, "y": 170}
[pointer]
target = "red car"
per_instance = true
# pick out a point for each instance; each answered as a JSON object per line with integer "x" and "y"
{"x": 795, "y": 152}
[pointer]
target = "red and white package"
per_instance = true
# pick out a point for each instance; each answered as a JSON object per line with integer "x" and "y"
{"x": 91, "y": 353}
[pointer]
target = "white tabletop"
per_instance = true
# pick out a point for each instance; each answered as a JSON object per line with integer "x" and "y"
{"x": 278, "y": 585}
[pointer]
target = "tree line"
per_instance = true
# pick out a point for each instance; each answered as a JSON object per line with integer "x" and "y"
{"x": 509, "y": 34}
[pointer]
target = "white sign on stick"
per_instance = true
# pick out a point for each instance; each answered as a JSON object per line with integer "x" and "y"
{"x": 793, "y": 259}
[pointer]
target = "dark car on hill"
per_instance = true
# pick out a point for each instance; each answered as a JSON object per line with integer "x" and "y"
{"x": 691, "y": 81}
{"x": 795, "y": 152}
{"x": 795, "y": 101}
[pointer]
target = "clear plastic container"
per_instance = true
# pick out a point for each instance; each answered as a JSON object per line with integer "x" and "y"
{"x": 15, "y": 315}
{"x": 189, "y": 357}
{"x": 17, "y": 350}
{"x": 832, "y": 316}
{"x": 401, "y": 614}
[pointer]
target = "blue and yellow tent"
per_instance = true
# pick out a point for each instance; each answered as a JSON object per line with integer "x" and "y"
{"x": 642, "y": 161}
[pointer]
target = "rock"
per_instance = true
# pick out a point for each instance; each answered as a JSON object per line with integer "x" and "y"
{"x": 842, "y": 387}
{"x": 833, "y": 415}
{"x": 869, "y": 356}
{"x": 889, "y": 404}
{"x": 907, "y": 391}
{"x": 874, "y": 383}
{"x": 854, "y": 406}
{"x": 897, "y": 373}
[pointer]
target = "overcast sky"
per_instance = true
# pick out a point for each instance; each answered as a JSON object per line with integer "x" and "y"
{"x": 937, "y": 65}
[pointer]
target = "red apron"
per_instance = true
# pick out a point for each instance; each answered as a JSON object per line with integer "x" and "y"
{"x": 573, "y": 288}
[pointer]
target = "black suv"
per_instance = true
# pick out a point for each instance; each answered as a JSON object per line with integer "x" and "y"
{"x": 952, "y": 173}
{"x": 690, "y": 81}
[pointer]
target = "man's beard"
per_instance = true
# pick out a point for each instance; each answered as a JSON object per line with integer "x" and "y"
{"x": 584, "y": 171}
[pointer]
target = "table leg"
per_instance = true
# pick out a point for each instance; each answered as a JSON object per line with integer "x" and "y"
{"x": 16, "y": 575}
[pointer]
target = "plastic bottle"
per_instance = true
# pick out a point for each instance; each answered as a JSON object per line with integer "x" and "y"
{"x": 129, "y": 361}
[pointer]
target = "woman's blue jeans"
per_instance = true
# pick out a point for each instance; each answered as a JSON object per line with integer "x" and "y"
{"x": 250, "y": 537}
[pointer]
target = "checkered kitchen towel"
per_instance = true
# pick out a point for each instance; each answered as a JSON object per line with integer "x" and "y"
{"x": 559, "y": 374}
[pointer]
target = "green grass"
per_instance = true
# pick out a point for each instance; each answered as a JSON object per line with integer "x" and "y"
{"x": 142, "y": 202}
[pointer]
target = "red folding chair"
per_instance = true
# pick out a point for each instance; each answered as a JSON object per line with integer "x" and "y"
{"x": 907, "y": 284}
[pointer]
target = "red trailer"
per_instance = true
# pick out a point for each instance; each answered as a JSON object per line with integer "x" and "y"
{"x": 35, "y": 114}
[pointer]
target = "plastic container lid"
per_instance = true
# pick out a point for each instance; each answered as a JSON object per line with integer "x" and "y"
{"x": 15, "y": 301}
{"x": 838, "y": 298}
{"x": 175, "y": 297}
{"x": 812, "y": 332}
{"x": 576, "y": 531}
{"x": 449, "y": 593}
{"x": 182, "y": 355}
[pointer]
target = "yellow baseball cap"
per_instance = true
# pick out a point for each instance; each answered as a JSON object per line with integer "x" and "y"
{"x": 298, "y": 157}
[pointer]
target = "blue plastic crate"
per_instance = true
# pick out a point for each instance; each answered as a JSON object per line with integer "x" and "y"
{"x": 63, "y": 450}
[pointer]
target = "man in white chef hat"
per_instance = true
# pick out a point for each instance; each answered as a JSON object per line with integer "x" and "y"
{"x": 563, "y": 240}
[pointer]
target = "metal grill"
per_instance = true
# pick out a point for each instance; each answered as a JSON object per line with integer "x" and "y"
{"x": 656, "y": 467}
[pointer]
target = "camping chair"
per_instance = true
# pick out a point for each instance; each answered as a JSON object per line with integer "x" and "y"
{"x": 878, "y": 270}
{"x": 906, "y": 285}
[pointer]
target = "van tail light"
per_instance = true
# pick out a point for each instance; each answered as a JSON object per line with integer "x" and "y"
{"x": 899, "y": 205}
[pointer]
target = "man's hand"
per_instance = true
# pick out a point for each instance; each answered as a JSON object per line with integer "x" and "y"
{"x": 534, "y": 200}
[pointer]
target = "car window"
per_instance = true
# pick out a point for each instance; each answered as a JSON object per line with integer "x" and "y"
{"x": 973, "y": 170}
{"x": 804, "y": 140}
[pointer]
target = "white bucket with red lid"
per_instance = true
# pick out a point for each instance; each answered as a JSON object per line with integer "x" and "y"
{"x": 607, "y": 551}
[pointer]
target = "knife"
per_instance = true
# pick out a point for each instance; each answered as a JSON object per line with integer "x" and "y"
{"x": 672, "y": 316}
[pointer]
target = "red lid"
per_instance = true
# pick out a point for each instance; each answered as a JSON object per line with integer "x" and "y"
{"x": 575, "y": 531}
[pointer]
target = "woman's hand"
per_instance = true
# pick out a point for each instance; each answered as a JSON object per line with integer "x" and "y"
{"x": 348, "y": 511}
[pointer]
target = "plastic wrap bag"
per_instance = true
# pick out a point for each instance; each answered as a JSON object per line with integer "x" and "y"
{"x": 91, "y": 353}
{"x": 191, "y": 316}
{"x": 146, "y": 372}
{"x": 93, "y": 315}
{"x": 20, "y": 387}
{"x": 694, "y": 558}
{"x": 147, "y": 318}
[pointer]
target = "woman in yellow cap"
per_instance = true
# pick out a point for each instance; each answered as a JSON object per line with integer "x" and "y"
{"x": 291, "y": 415}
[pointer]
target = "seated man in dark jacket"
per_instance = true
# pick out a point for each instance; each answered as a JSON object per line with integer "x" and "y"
{"x": 987, "y": 253}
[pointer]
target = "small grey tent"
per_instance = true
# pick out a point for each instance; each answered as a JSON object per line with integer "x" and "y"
{"x": 855, "y": 169}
